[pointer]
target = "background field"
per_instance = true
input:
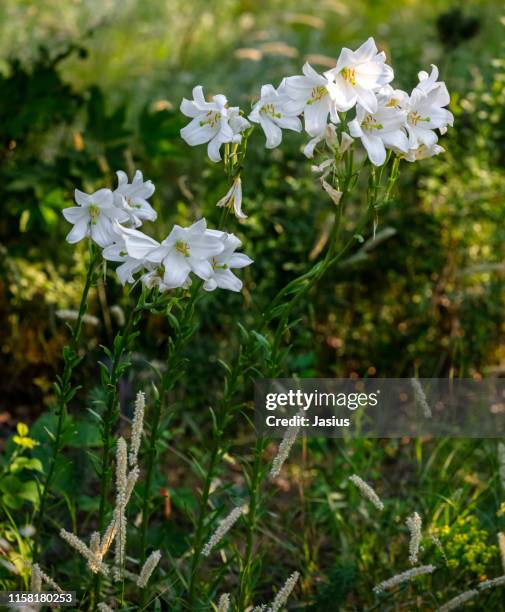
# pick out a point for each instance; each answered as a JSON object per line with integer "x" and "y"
{"x": 87, "y": 88}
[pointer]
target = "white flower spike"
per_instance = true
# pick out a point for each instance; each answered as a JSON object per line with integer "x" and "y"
{"x": 222, "y": 264}
{"x": 94, "y": 216}
{"x": 358, "y": 74}
{"x": 213, "y": 122}
{"x": 132, "y": 197}
{"x": 272, "y": 112}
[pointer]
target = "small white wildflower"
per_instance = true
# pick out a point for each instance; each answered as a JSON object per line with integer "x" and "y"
{"x": 83, "y": 550}
{"x": 420, "y": 397}
{"x": 103, "y": 607}
{"x": 137, "y": 427}
{"x": 222, "y": 529}
{"x": 72, "y": 315}
{"x": 334, "y": 194}
{"x": 456, "y": 602}
{"x": 501, "y": 546}
{"x": 489, "y": 584}
{"x": 148, "y": 568}
{"x": 414, "y": 524}
{"x": 367, "y": 491}
{"x": 224, "y": 603}
{"x": 283, "y": 595}
{"x": 36, "y": 579}
{"x": 284, "y": 449}
{"x": 403, "y": 577}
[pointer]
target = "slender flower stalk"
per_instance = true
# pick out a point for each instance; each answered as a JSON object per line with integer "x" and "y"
{"x": 224, "y": 603}
{"x": 94, "y": 546}
{"x": 83, "y": 550}
{"x": 490, "y": 584}
{"x": 458, "y": 601}
{"x": 283, "y": 595}
{"x": 367, "y": 492}
{"x": 222, "y": 529}
{"x": 284, "y": 449}
{"x": 119, "y": 511}
{"x": 148, "y": 568}
{"x": 137, "y": 427}
{"x": 420, "y": 398}
{"x": 65, "y": 392}
{"x": 414, "y": 524}
{"x": 36, "y": 579}
{"x": 403, "y": 577}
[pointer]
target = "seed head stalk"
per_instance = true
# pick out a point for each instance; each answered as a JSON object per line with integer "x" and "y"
{"x": 65, "y": 392}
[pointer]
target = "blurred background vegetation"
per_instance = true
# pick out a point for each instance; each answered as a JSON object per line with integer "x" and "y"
{"x": 87, "y": 88}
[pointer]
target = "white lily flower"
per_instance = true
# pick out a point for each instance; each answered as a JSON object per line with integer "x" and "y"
{"x": 119, "y": 252}
{"x": 213, "y": 122}
{"x": 184, "y": 250}
{"x": 329, "y": 135}
{"x": 358, "y": 74}
{"x": 233, "y": 198}
{"x": 272, "y": 113}
{"x": 94, "y": 216}
{"x": 132, "y": 197}
{"x": 423, "y": 152}
{"x": 312, "y": 94}
{"x": 425, "y": 110}
{"x": 384, "y": 128}
{"x": 222, "y": 264}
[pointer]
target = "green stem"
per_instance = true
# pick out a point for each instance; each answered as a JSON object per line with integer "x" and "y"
{"x": 65, "y": 393}
{"x": 174, "y": 366}
{"x": 111, "y": 413}
{"x": 222, "y": 420}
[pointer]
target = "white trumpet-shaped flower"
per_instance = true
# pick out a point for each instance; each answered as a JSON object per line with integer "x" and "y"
{"x": 426, "y": 112}
{"x": 312, "y": 94}
{"x": 223, "y": 264}
{"x": 385, "y": 128}
{"x": 132, "y": 197}
{"x": 233, "y": 198}
{"x": 184, "y": 250}
{"x": 94, "y": 216}
{"x": 213, "y": 122}
{"x": 274, "y": 114}
{"x": 358, "y": 74}
{"x": 118, "y": 251}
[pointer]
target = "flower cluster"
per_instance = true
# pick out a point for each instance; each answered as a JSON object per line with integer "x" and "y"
{"x": 112, "y": 218}
{"x": 384, "y": 117}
